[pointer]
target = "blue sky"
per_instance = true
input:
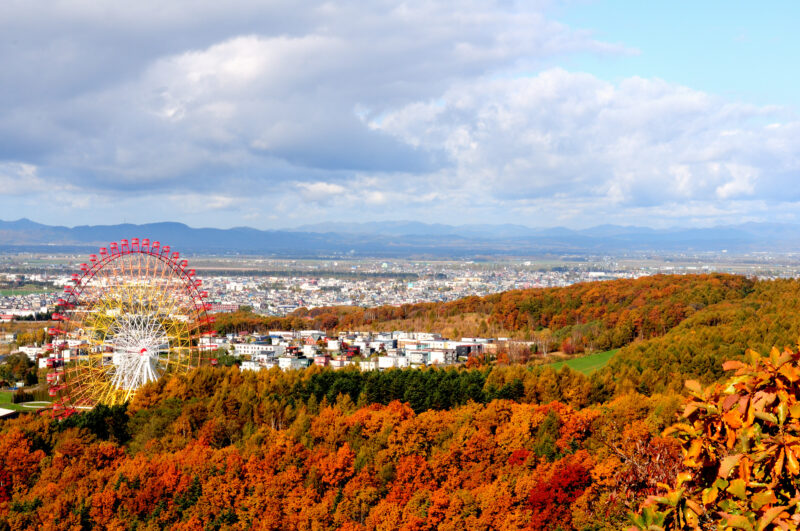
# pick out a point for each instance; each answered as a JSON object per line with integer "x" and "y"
{"x": 278, "y": 114}
{"x": 736, "y": 49}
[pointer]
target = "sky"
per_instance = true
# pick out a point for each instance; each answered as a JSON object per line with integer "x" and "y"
{"x": 284, "y": 113}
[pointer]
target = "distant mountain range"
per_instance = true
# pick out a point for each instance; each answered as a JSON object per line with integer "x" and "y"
{"x": 409, "y": 238}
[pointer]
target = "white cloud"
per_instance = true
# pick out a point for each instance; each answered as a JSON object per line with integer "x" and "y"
{"x": 18, "y": 179}
{"x": 142, "y": 96}
{"x": 569, "y": 137}
{"x": 320, "y": 191}
{"x": 244, "y": 110}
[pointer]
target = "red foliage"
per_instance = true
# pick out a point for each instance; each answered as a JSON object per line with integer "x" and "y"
{"x": 5, "y": 485}
{"x": 518, "y": 457}
{"x": 550, "y": 501}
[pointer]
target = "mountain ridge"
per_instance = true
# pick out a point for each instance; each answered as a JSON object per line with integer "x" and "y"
{"x": 409, "y": 238}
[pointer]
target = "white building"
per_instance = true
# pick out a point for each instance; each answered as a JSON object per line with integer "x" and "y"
{"x": 250, "y": 366}
{"x": 419, "y": 336}
{"x": 442, "y": 357}
{"x": 309, "y": 351}
{"x": 287, "y": 363}
{"x": 339, "y": 363}
{"x": 252, "y": 349}
{"x": 389, "y": 362}
{"x": 417, "y": 357}
{"x": 207, "y": 343}
{"x": 369, "y": 365}
{"x": 31, "y": 351}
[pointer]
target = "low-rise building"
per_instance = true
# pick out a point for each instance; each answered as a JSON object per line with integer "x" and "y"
{"x": 417, "y": 357}
{"x": 287, "y": 363}
{"x": 391, "y": 362}
{"x": 442, "y": 357}
{"x": 250, "y": 366}
{"x": 369, "y": 365}
{"x": 32, "y": 351}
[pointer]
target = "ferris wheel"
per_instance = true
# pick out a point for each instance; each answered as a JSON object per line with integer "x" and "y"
{"x": 132, "y": 315}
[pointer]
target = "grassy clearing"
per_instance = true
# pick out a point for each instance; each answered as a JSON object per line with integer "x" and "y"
{"x": 586, "y": 364}
{"x": 6, "y": 403}
{"x": 25, "y": 290}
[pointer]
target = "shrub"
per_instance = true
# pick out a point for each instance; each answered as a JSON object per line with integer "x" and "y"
{"x": 741, "y": 451}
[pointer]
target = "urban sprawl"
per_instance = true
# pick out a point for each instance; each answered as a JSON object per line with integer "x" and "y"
{"x": 362, "y": 283}
{"x": 366, "y": 283}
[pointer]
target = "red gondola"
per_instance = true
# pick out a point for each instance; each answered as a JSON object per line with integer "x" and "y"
{"x": 64, "y": 303}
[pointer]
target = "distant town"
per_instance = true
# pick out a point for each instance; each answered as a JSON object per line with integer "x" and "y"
{"x": 30, "y": 284}
{"x": 300, "y": 349}
{"x": 367, "y": 351}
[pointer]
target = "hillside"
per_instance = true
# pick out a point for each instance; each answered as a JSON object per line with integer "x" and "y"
{"x": 668, "y": 328}
{"x": 587, "y": 316}
{"x": 768, "y": 316}
{"x": 220, "y": 449}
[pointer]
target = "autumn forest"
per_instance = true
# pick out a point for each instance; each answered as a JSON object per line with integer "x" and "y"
{"x": 504, "y": 443}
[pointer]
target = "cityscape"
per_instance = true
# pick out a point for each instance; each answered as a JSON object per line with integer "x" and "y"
{"x": 32, "y": 284}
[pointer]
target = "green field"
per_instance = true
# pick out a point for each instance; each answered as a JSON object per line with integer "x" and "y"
{"x": 26, "y": 290}
{"x": 586, "y": 364}
{"x": 5, "y": 402}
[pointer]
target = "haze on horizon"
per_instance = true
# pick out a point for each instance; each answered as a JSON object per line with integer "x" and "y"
{"x": 263, "y": 114}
